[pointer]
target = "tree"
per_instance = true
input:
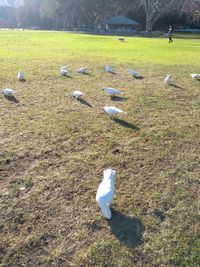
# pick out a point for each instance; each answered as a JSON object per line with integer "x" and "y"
{"x": 197, "y": 16}
{"x": 154, "y": 8}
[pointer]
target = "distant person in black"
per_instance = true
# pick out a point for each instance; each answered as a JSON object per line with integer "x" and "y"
{"x": 150, "y": 32}
{"x": 170, "y": 31}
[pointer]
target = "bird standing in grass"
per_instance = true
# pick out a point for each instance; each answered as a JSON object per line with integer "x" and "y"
{"x": 134, "y": 73}
{"x": 195, "y": 76}
{"x": 105, "y": 192}
{"x": 112, "y": 91}
{"x": 108, "y": 68}
{"x": 112, "y": 110}
{"x": 20, "y": 76}
{"x": 168, "y": 79}
{"x": 8, "y": 92}
{"x": 64, "y": 70}
{"x": 77, "y": 94}
{"x": 82, "y": 70}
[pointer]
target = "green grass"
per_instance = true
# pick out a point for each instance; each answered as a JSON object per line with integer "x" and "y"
{"x": 58, "y": 148}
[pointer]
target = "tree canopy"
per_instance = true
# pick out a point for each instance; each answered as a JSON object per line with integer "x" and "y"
{"x": 80, "y": 14}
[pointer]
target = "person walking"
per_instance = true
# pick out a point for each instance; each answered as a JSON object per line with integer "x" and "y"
{"x": 170, "y": 32}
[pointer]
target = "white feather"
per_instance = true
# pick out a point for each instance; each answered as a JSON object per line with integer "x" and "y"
{"x": 65, "y": 67}
{"x": 105, "y": 192}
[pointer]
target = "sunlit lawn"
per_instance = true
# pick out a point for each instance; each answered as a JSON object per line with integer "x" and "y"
{"x": 58, "y": 147}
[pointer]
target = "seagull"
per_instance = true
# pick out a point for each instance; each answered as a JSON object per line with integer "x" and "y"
{"x": 111, "y": 91}
{"x": 77, "y": 94}
{"x": 64, "y": 70}
{"x": 134, "y": 73}
{"x": 168, "y": 79}
{"x": 20, "y": 76}
{"x": 105, "y": 192}
{"x": 108, "y": 68}
{"x": 112, "y": 110}
{"x": 196, "y": 76}
{"x": 8, "y": 92}
{"x": 82, "y": 70}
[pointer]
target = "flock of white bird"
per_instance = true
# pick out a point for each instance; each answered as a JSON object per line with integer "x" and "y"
{"x": 105, "y": 192}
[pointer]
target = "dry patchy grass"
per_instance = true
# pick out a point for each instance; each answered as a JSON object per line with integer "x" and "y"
{"x": 58, "y": 147}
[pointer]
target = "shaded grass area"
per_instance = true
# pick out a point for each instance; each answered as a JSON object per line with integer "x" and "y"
{"x": 58, "y": 147}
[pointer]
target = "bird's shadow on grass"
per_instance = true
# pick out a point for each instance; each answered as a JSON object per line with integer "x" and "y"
{"x": 22, "y": 80}
{"x": 118, "y": 98}
{"x": 67, "y": 76}
{"x": 138, "y": 78}
{"x": 86, "y": 73}
{"x": 84, "y": 102}
{"x": 128, "y": 230}
{"x": 11, "y": 98}
{"x": 126, "y": 124}
{"x": 112, "y": 72}
{"x": 176, "y": 86}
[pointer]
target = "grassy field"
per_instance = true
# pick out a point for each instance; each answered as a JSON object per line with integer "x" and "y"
{"x": 57, "y": 148}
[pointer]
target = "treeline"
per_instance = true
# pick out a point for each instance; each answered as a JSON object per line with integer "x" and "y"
{"x": 86, "y": 14}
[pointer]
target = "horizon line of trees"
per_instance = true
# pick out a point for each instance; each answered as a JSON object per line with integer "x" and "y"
{"x": 86, "y": 14}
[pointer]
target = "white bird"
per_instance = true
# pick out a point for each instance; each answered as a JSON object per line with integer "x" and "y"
{"x": 64, "y": 70}
{"x": 195, "y": 76}
{"x": 112, "y": 110}
{"x": 20, "y": 76}
{"x": 134, "y": 73}
{"x": 168, "y": 79}
{"x": 112, "y": 91}
{"x": 82, "y": 70}
{"x": 108, "y": 68}
{"x": 105, "y": 192}
{"x": 77, "y": 94}
{"x": 8, "y": 92}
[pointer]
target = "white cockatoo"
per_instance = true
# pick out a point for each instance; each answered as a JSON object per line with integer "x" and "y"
{"x": 108, "y": 68}
{"x": 82, "y": 70}
{"x": 112, "y": 110}
{"x": 105, "y": 192}
{"x": 195, "y": 76}
{"x": 111, "y": 91}
{"x": 77, "y": 94}
{"x": 8, "y": 92}
{"x": 20, "y": 76}
{"x": 168, "y": 79}
{"x": 134, "y": 73}
{"x": 64, "y": 70}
